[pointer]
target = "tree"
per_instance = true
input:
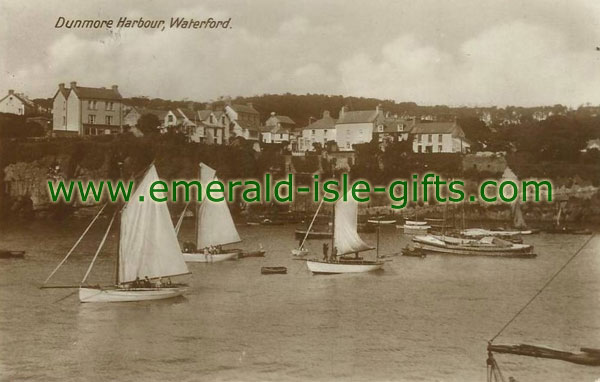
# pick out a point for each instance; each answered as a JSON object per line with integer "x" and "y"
{"x": 148, "y": 123}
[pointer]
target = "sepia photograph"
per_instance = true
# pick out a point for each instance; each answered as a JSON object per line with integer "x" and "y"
{"x": 236, "y": 190}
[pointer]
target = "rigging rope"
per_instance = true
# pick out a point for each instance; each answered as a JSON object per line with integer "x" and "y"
{"x": 542, "y": 289}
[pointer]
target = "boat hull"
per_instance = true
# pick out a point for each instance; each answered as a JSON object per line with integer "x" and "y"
{"x": 415, "y": 229}
{"x": 322, "y": 267}
{"x": 300, "y": 252}
{"x": 210, "y": 258}
{"x": 128, "y": 295}
{"x": 435, "y": 246}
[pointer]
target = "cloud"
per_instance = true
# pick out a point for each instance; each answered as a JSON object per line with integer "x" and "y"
{"x": 510, "y": 64}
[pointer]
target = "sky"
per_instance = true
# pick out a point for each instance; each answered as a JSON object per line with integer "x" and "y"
{"x": 462, "y": 52}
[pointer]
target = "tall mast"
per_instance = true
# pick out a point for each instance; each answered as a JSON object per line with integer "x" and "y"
{"x": 332, "y": 228}
{"x": 119, "y": 209}
{"x": 378, "y": 228}
{"x": 197, "y": 214}
{"x": 118, "y": 249}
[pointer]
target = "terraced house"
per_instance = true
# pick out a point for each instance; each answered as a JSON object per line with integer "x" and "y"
{"x": 439, "y": 137}
{"x": 82, "y": 110}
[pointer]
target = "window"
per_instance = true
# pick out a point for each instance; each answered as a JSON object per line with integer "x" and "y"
{"x": 439, "y": 148}
{"x": 107, "y": 131}
{"x": 64, "y": 121}
{"x": 419, "y": 148}
{"x": 108, "y": 119}
{"x": 109, "y": 105}
{"x": 430, "y": 138}
{"x": 313, "y": 132}
{"x": 92, "y": 105}
{"x": 223, "y": 120}
{"x": 91, "y": 119}
{"x": 440, "y": 138}
{"x": 380, "y": 128}
{"x": 212, "y": 118}
{"x": 170, "y": 118}
{"x": 419, "y": 138}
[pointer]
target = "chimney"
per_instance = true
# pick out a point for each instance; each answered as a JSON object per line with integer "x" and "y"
{"x": 379, "y": 108}
{"x": 326, "y": 114}
{"x": 115, "y": 88}
{"x": 73, "y": 85}
{"x": 11, "y": 91}
{"x": 343, "y": 110}
{"x": 61, "y": 86}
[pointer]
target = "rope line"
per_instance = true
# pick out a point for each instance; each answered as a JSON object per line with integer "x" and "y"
{"x": 544, "y": 287}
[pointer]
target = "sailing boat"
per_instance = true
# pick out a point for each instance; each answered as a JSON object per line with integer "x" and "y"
{"x": 345, "y": 241}
{"x": 148, "y": 250}
{"x": 214, "y": 227}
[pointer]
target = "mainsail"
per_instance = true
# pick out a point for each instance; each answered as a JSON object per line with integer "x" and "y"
{"x": 215, "y": 224}
{"x": 518, "y": 219}
{"x": 345, "y": 235}
{"x": 148, "y": 245}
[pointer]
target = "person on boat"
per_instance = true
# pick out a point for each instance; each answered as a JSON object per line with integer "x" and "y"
{"x": 136, "y": 283}
{"x": 158, "y": 283}
{"x": 356, "y": 255}
{"x": 147, "y": 282}
{"x": 333, "y": 257}
{"x": 325, "y": 251}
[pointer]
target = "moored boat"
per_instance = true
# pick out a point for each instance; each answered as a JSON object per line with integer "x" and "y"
{"x": 273, "y": 270}
{"x": 8, "y": 254}
{"x": 488, "y": 246}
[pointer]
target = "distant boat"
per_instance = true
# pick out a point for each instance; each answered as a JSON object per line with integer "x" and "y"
{"x": 560, "y": 228}
{"x": 487, "y": 246}
{"x": 273, "y": 270}
{"x": 7, "y": 254}
{"x": 214, "y": 228}
{"x": 345, "y": 241}
{"x": 413, "y": 227}
{"x": 148, "y": 252}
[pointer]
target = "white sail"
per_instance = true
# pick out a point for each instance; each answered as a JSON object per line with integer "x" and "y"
{"x": 148, "y": 245}
{"x": 215, "y": 224}
{"x": 207, "y": 175}
{"x": 345, "y": 235}
{"x": 518, "y": 219}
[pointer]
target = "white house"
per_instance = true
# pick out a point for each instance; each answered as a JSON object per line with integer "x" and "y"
{"x": 321, "y": 131}
{"x": 15, "y": 103}
{"x": 439, "y": 137}
{"x": 354, "y": 127}
{"x": 244, "y": 121}
{"x": 216, "y": 126}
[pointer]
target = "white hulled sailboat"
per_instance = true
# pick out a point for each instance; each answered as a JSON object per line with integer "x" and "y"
{"x": 148, "y": 254}
{"x": 345, "y": 241}
{"x": 214, "y": 227}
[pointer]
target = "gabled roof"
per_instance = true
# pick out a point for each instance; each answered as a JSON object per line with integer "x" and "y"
{"x": 21, "y": 98}
{"x": 244, "y": 109}
{"x": 323, "y": 123}
{"x": 97, "y": 93}
{"x": 283, "y": 119}
{"x": 204, "y": 114}
{"x": 390, "y": 125}
{"x": 247, "y": 125}
{"x": 64, "y": 91}
{"x": 436, "y": 128}
{"x": 359, "y": 116}
{"x": 189, "y": 114}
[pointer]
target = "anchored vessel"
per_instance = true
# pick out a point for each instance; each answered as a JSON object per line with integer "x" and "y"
{"x": 487, "y": 246}
{"x": 345, "y": 241}
{"x": 148, "y": 252}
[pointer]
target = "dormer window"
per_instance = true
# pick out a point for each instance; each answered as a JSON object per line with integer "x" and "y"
{"x": 380, "y": 128}
{"x": 109, "y": 105}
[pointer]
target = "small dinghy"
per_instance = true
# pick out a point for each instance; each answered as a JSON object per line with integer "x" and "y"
{"x": 413, "y": 252}
{"x": 258, "y": 253}
{"x": 7, "y": 254}
{"x": 273, "y": 270}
